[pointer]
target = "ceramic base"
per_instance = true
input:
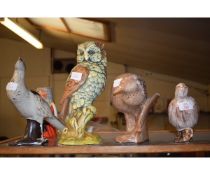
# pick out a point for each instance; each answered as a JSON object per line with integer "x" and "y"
{"x": 29, "y": 142}
{"x": 87, "y": 139}
{"x": 132, "y": 138}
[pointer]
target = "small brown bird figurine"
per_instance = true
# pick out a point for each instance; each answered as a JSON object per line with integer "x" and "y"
{"x": 129, "y": 96}
{"x": 183, "y": 113}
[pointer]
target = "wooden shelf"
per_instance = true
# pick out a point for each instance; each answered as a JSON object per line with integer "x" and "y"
{"x": 160, "y": 142}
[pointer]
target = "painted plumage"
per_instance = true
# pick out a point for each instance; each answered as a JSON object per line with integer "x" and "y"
{"x": 80, "y": 92}
{"x": 129, "y": 97}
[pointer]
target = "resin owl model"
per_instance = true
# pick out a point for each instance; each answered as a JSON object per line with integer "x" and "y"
{"x": 85, "y": 82}
{"x": 129, "y": 96}
{"x": 31, "y": 106}
{"x": 183, "y": 113}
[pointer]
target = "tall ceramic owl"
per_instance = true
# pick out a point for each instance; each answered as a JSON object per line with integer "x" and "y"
{"x": 183, "y": 113}
{"x": 85, "y": 82}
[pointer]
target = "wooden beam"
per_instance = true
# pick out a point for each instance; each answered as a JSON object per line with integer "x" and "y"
{"x": 44, "y": 26}
{"x": 65, "y": 24}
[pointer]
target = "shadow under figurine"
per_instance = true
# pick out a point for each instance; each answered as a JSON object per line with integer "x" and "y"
{"x": 85, "y": 82}
{"x": 31, "y": 106}
{"x": 183, "y": 114}
{"x": 129, "y": 96}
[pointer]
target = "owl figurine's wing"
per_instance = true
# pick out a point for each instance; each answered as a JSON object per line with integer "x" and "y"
{"x": 76, "y": 79}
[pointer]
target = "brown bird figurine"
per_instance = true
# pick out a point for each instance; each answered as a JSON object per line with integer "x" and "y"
{"x": 129, "y": 96}
{"x": 183, "y": 113}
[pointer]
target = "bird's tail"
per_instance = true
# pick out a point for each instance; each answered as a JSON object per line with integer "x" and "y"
{"x": 150, "y": 102}
{"x": 56, "y": 123}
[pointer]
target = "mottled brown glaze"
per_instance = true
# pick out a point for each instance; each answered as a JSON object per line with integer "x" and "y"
{"x": 130, "y": 98}
{"x": 183, "y": 119}
{"x": 70, "y": 87}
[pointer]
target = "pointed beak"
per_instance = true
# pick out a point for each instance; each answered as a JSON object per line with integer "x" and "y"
{"x": 86, "y": 57}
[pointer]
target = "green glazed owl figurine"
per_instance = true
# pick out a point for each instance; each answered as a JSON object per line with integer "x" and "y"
{"x": 85, "y": 82}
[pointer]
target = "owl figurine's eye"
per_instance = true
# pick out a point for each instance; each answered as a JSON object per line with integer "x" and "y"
{"x": 91, "y": 52}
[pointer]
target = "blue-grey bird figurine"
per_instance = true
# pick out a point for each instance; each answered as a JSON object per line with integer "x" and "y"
{"x": 31, "y": 105}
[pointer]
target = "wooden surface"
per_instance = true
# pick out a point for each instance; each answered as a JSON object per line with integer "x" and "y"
{"x": 160, "y": 142}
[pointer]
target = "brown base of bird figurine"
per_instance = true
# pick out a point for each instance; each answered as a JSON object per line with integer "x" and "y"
{"x": 184, "y": 136}
{"x": 33, "y": 135}
{"x": 133, "y": 137}
{"x": 140, "y": 132}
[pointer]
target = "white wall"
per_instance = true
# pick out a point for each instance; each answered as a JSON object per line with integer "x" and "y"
{"x": 39, "y": 74}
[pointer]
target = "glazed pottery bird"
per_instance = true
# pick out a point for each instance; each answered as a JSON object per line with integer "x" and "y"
{"x": 183, "y": 113}
{"x": 30, "y": 104}
{"x": 86, "y": 81}
{"x": 129, "y": 96}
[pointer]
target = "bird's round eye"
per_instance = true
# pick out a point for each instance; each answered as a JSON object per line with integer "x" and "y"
{"x": 91, "y": 52}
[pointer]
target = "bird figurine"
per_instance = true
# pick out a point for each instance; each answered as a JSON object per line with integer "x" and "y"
{"x": 85, "y": 82}
{"x": 129, "y": 96}
{"x": 183, "y": 113}
{"x": 31, "y": 106}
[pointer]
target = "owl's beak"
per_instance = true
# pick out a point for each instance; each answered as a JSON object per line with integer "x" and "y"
{"x": 86, "y": 57}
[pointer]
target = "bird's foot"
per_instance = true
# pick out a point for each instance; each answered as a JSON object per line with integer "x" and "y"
{"x": 30, "y": 142}
{"x": 184, "y": 136}
{"x": 187, "y": 134}
{"x": 178, "y": 136}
